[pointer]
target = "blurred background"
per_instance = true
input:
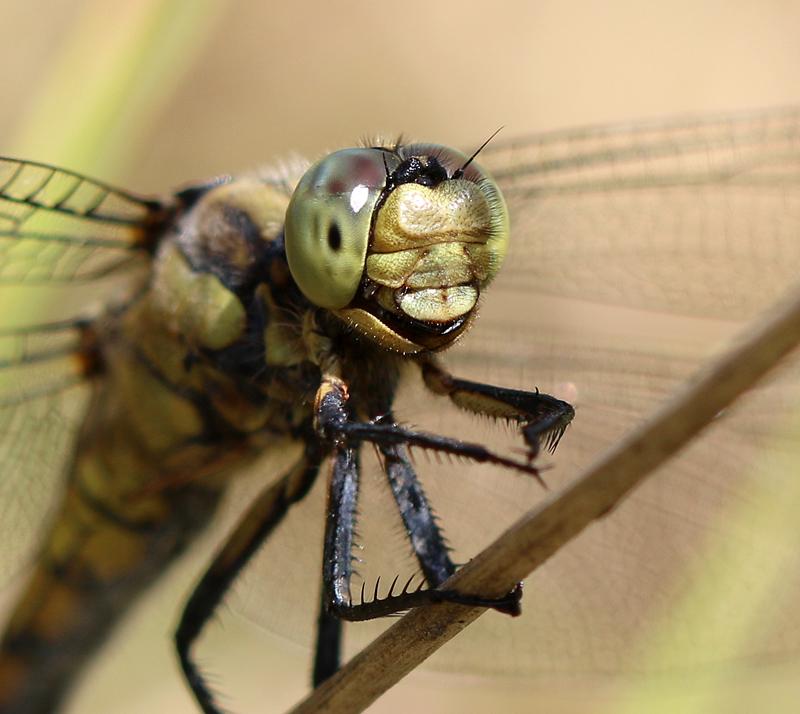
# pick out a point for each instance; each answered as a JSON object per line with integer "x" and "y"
{"x": 152, "y": 95}
{"x": 173, "y": 91}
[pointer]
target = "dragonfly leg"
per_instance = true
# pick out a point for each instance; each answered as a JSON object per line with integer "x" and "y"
{"x": 327, "y": 657}
{"x": 427, "y": 540}
{"x": 426, "y": 537}
{"x": 542, "y": 418}
{"x": 255, "y": 526}
{"x": 334, "y": 425}
{"x": 337, "y": 559}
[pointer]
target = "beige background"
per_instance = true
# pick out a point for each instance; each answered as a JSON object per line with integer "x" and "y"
{"x": 281, "y": 77}
{"x": 305, "y": 77}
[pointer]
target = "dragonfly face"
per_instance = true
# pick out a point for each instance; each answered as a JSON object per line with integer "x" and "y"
{"x": 233, "y": 339}
{"x": 398, "y": 244}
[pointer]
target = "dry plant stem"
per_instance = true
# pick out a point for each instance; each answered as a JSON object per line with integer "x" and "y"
{"x": 549, "y": 526}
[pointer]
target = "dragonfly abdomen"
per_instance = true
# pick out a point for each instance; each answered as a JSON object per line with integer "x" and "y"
{"x": 92, "y": 567}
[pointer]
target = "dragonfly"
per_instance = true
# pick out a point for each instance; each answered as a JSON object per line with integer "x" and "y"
{"x": 243, "y": 314}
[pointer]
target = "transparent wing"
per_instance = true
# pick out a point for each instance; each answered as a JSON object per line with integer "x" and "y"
{"x": 57, "y": 228}
{"x": 56, "y": 225}
{"x": 43, "y": 395}
{"x": 690, "y": 217}
{"x": 636, "y": 253}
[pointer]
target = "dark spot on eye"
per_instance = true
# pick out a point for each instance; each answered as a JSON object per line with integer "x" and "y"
{"x": 334, "y": 236}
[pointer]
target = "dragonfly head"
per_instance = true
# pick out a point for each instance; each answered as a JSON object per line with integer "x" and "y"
{"x": 398, "y": 242}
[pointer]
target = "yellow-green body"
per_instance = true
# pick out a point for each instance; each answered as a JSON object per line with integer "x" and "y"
{"x": 164, "y": 431}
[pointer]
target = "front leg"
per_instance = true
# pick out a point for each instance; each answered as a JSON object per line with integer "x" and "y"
{"x": 543, "y": 419}
{"x": 336, "y": 427}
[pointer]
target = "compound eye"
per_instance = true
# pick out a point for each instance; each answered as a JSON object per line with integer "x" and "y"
{"x": 328, "y": 223}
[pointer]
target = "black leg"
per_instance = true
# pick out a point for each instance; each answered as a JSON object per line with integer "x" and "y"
{"x": 334, "y": 425}
{"x": 256, "y": 525}
{"x": 337, "y": 556}
{"x": 423, "y": 531}
{"x": 426, "y": 537}
{"x": 329, "y": 645}
{"x": 543, "y": 419}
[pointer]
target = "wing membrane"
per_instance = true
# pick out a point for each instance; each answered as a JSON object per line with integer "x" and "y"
{"x": 43, "y": 393}
{"x": 56, "y": 225}
{"x": 40, "y": 360}
{"x": 689, "y": 217}
{"x": 636, "y": 253}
